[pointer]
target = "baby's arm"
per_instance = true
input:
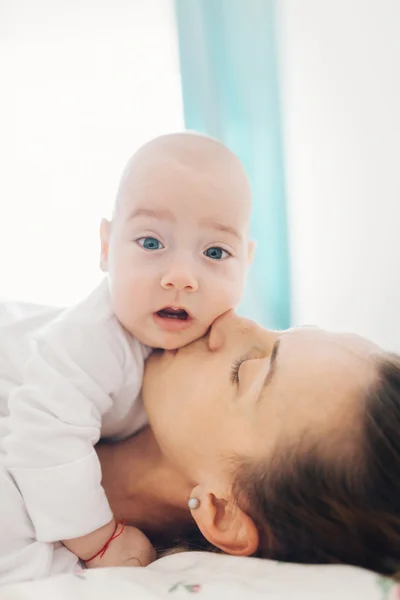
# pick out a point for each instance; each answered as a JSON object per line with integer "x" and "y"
{"x": 90, "y": 544}
{"x": 55, "y": 421}
{"x": 114, "y": 545}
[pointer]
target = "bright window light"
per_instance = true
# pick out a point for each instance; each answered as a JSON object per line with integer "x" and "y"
{"x": 84, "y": 83}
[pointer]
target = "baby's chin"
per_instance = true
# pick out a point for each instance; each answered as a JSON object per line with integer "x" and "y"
{"x": 174, "y": 341}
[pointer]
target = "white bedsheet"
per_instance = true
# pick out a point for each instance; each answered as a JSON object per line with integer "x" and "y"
{"x": 210, "y": 577}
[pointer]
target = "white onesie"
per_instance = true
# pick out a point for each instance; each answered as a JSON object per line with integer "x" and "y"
{"x": 81, "y": 381}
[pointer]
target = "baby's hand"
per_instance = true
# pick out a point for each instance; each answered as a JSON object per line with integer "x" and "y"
{"x": 130, "y": 549}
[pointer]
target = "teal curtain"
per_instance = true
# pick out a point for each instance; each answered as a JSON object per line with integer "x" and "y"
{"x": 230, "y": 91}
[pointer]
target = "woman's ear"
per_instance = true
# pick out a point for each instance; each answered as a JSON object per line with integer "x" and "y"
{"x": 225, "y": 525}
{"x": 104, "y": 241}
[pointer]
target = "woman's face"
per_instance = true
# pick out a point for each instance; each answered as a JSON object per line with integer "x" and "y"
{"x": 242, "y": 390}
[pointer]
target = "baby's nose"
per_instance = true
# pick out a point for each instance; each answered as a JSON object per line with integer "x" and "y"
{"x": 181, "y": 277}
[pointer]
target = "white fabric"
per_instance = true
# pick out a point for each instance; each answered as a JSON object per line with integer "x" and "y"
{"x": 211, "y": 577}
{"x": 81, "y": 374}
{"x": 21, "y": 557}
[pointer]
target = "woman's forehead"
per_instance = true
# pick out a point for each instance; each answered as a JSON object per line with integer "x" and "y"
{"x": 315, "y": 361}
{"x": 334, "y": 342}
{"x": 320, "y": 378}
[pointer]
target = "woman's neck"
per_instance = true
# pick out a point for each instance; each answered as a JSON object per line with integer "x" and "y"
{"x": 143, "y": 487}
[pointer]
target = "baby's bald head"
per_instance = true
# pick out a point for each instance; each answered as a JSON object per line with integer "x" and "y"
{"x": 178, "y": 161}
{"x": 177, "y": 250}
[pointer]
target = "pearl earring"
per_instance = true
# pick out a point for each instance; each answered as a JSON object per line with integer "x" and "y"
{"x": 193, "y": 503}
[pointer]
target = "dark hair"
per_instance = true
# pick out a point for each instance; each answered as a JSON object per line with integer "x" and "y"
{"x": 346, "y": 509}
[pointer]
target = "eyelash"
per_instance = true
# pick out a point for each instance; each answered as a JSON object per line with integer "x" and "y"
{"x": 234, "y": 376}
{"x": 154, "y": 237}
{"x": 149, "y": 237}
{"x": 228, "y": 254}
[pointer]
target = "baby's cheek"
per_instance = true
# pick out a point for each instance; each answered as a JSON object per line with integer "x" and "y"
{"x": 135, "y": 284}
{"x": 127, "y": 299}
{"x": 227, "y": 295}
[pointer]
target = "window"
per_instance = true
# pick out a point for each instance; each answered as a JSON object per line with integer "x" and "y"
{"x": 84, "y": 83}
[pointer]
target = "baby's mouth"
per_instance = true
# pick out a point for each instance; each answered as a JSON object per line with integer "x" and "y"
{"x": 173, "y": 313}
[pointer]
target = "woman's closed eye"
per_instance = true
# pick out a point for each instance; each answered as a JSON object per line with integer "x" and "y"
{"x": 255, "y": 353}
{"x": 234, "y": 374}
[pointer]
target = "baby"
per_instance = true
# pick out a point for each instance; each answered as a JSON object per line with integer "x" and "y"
{"x": 176, "y": 254}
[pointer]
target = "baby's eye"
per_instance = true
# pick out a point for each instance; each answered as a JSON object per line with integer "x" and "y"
{"x": 216, "y": 253}
{"x": 149, "y": 243}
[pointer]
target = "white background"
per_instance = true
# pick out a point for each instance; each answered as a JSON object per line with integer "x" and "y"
{"x": 83, "y": 84}
{"x": 340, "y": 73}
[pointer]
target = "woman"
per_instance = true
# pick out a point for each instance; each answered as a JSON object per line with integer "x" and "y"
{"x": 286, "y": 444}
{"x": 289, "y": 442}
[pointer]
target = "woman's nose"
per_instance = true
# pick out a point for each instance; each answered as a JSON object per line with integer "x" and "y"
{"x": 229, "y": 328}
{"x": 226, "y": 326}
{"x": 216, "y": 339}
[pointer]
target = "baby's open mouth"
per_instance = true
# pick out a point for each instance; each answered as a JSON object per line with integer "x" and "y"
{"x": 173, "y": 313}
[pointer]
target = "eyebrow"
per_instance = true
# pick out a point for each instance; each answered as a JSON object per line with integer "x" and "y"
{"x": 167, "y": 215}
{"x": 220, "y": 227}
{"x": 272, "y": 364}
{"x": 156, "y": 214}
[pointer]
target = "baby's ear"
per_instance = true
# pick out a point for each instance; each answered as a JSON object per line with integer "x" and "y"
{"x": 104, "y": 241}
{"x": 250, "y": 252}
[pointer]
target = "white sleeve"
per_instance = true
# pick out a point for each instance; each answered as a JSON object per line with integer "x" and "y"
{"x": 55, "y": 421}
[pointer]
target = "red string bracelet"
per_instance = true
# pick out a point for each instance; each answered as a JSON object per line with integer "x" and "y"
{"x": 104, "y": 549}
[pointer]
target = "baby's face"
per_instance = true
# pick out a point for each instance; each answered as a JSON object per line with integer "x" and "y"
{"x": 177, "y": 250}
